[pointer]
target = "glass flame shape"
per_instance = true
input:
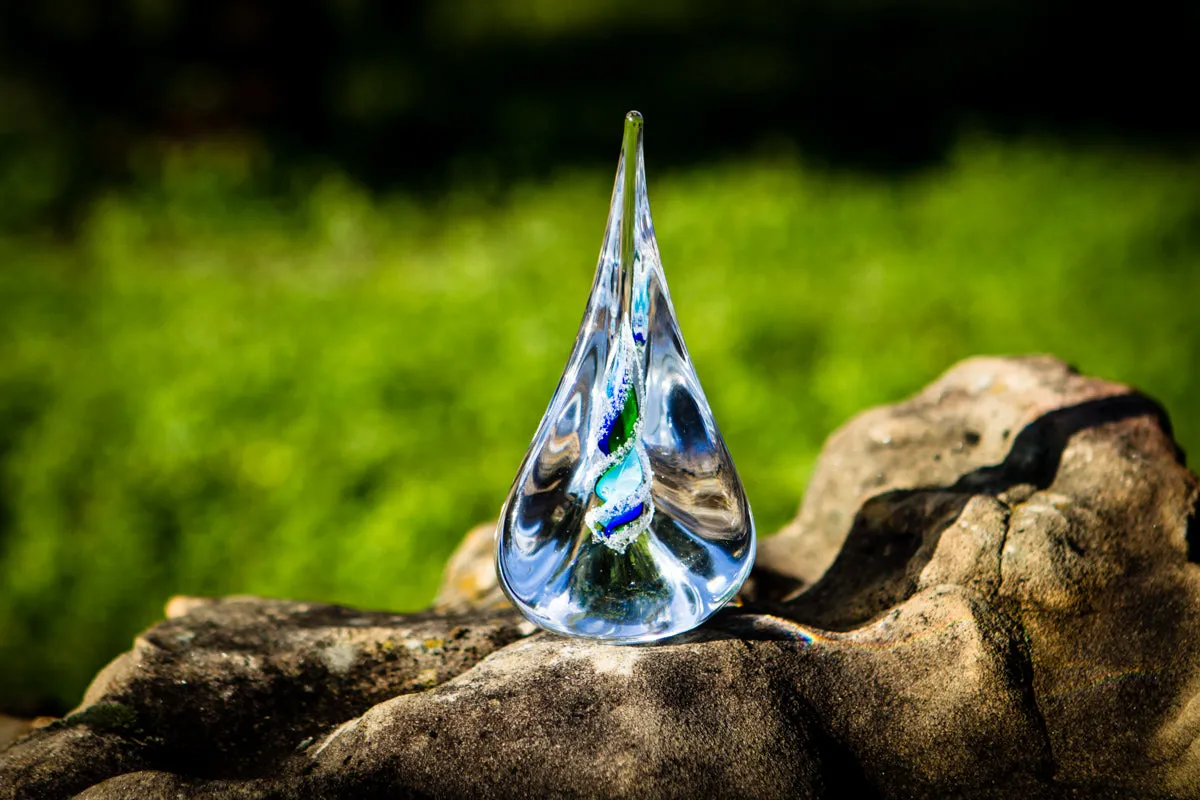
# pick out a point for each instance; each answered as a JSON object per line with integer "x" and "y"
{"x": 627, "y": 520}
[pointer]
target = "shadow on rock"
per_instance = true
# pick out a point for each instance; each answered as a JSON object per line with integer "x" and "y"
{"x": 896, "y": 533}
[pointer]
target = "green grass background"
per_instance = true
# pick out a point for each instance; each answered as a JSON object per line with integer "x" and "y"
{"x": 209, "y": 391}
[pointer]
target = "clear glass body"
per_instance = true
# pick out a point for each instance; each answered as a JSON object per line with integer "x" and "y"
{"x": 627, "y": 520}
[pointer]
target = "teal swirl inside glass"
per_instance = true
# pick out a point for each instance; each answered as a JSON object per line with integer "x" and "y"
{"x": 627, "y": 520}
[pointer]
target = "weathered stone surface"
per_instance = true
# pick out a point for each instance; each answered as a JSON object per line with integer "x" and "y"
{"x": 469, "y": 580}
{"x": 227, "y": 686}
{"x": 12, "y": 728}
{"x": 987, "y": 593}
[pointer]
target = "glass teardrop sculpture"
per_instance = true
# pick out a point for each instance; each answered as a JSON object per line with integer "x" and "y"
{"x": 627, "y": 520}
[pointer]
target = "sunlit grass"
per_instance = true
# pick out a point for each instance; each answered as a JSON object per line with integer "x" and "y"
{"x": 213, "y": 393}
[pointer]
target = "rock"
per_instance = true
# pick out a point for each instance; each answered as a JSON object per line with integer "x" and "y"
{"x": 12, "y": 729}
{"x": 225, "y": 686}
{"x": 469, "y": 580}
{"x": 988, "y": 592}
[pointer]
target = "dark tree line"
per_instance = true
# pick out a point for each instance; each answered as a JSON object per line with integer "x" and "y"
{"x": 415, "y": 92}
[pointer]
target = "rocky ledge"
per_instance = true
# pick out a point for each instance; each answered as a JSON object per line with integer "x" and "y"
{"x": 990, "y": 591}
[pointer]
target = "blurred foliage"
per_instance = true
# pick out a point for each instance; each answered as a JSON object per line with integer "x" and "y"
{"x": 212, "y": 389}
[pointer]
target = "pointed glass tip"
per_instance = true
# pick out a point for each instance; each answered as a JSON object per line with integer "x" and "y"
{"x": 627, "y": 521}
{"x": 633, "y": 135}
